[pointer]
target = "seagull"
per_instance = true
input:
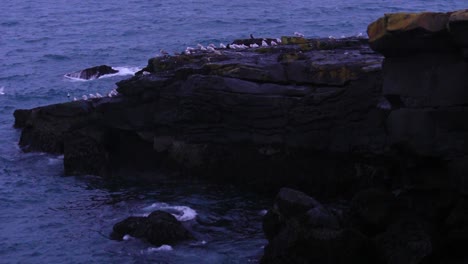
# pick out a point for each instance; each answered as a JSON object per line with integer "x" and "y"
{"x": 255, "y": 45}
{"x": 98, "y": 95}
{"x": 243, "y": 46}
{"x": 210, "y": 49}
{"x": 331, "y": 37}
{"x": 278, "y": 40}
{"x": 264, "y": 44}
{"x": 222, "y": 46}
{"x": 298, "y": 34}
{"x": 92, "y": 96}
{"x": 212, "y": 45}
{"x": 201, "y": 46}
{"x": 68, "y": 95}
{"x": 187, "y": 52}
{"x": 85, "y": 97}
{"x": 232, "y": 46}
{"x": 2, "y": 90}
{"x": 273, "y": 43}
{"x": 74, "y": 99}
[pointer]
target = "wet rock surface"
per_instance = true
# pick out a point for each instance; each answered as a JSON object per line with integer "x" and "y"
{"x": 158, "y": 228}
{"x": 289, "y": 109}
{"x": 374, "y": 227}
{"x": 92, "y": 73}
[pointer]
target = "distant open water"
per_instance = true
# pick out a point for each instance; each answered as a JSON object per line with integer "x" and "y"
{"x": 48, "y": 218}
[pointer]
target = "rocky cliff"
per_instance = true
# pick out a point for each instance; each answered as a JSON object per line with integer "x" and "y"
{"x": 423, "y": 217}
{"x": 330, "y": 117}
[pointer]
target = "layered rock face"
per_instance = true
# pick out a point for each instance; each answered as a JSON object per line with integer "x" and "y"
{"x": 422, "y": 217}
{"x": 294, "y": 111}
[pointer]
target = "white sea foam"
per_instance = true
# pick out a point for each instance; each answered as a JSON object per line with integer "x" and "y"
{"x": 180, "y": 212}
{"x": 127, "y": 237}
{"x": 123, "y": 71}
{"x": 263, "y": 212}
{"x": 198, "y": 243}
{"x": 56, "y": 160}
{"x": 161, "y": 248}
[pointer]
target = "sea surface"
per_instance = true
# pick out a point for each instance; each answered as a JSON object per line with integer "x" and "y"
{"x": 46, "y": 217}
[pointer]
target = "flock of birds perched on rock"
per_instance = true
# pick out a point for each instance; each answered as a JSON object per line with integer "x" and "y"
{"x": 85, "y": 97}
{"x": 213, "y": 49}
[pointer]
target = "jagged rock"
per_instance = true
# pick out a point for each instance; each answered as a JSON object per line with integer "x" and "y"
{"x": 405, "y": 242}
{"x": 158, "y": 228}
{"x": 455, "y": 237}
{"x": 237, "y": 113}
{"x": 291, "y": 202}
{"x": 458, "y": 26}
{"x": 92, "y": 73}
{"x": 401, "y": 34}
{"x": 301, "y": 230}
{"x": 372, "y": 211}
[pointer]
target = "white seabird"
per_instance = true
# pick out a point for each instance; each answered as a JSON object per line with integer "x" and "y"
{"x": 74, "y": 99}
{"x": 264, "y": 43}
{"x": 273, "y": 43}
{"x": 98, "y": 95}
{"x": 85, "y": 97}
{"x": 2, "y": 90}
{"x": 255, "y": 45}
{"x": 222, "y": 46}
{"x": 92, "y": 96}
{"x": 278, "y": 40}
{"x": 201, "y": 46}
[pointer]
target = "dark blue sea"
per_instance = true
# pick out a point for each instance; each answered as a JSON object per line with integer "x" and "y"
{"x": 46, "y": 217}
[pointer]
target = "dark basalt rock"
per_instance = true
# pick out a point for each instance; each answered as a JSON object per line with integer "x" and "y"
{"x": 158, "y": 228}
{"x": 92, "y": 73}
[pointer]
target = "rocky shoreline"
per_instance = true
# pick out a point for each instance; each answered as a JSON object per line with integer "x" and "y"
{"x": 378, "y": 122}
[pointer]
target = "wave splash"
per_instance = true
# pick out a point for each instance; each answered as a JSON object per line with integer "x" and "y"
{"x": 180, "y": 212}
{"x": 121, "y": 71}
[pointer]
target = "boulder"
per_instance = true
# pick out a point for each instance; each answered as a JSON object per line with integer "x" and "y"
{"x": 158, "y": 228}
{"x": 402, "y": 34}
{"x": 405, "y": 242}
{"x": 458, "y": 26}
{"x": 92, "y": 73}
{"x": 372, "y": 210}
{"x": 301, "y": 230}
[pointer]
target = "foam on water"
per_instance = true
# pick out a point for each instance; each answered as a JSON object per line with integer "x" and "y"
{"x": 122, "y": 71}
{"x": 181, "y": 213}
{"x": 158, "y": 249}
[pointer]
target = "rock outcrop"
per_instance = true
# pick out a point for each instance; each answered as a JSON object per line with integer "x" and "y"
{"x": 158, "y": 228}
{"x": 375, "y": 227}
{"x": 92, "y": 73}
{"x": 412, "y": 220}
{"x": 292, "y": 109}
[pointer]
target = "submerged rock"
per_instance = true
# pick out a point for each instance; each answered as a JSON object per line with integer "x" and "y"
{"x": 92, "y": 73}
{"x": 158, "y": 228}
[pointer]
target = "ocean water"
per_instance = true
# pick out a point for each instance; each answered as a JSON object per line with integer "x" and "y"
{"x": 48, "y": 218}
